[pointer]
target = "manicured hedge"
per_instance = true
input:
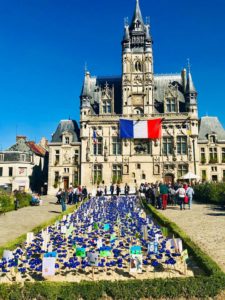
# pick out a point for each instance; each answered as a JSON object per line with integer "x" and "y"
{"x": 200, "y": 287}
{"x": 210, "y": 193}
{"x": 7, "y": 201}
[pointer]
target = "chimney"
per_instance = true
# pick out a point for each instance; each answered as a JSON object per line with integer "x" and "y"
{"x": 43, "y": 142}
{"x": 184, "y": 79}
{"x": 21, "y": 138}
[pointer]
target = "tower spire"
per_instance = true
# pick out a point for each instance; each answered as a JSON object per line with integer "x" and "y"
{"x": 137, "y": 20}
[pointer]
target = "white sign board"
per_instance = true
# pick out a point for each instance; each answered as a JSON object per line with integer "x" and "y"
{"x": 48, "y": 266}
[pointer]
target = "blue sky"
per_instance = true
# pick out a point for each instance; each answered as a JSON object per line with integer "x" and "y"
{"x": 44, "y": 45}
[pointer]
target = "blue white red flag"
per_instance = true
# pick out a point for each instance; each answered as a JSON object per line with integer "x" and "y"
{"x": 94, "y": 137}
{"x": 148, "y": 129}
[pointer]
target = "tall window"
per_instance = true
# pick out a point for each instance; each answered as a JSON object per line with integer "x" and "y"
{"x": 116, "y": 146}
{"x": 142, "y": 147}
{"x": 106, "y": 107}
{"x": 117, "y": 173}
{"x": 67, "y": 140}
{"x": 1, "y": 157}
{"x": 170, "y": 105}
{"x": 97, "y": 146}
{"x": 213, "y": 155}
{"x": 76, "y": 178}
{"x": 182, "y": 170}
{"x": 76, "y": 157}
{"x": 223, "y": 155}
{"x": 10, "y": 171}
{"x": 203, "y": 158}
{"x": 204, "y": 176}
{"x": 22, "y": 157}
{"x": 57, "y": 156}
{"x": 1, "y": 171}
{"x": 167, "y": 146}
{"x": 182, "y": 145}
{"x": 97, "y": 173}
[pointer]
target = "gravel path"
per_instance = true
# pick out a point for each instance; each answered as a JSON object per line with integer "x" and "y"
{"x": 16, "y": 223}
{"x": 205, "y": 224}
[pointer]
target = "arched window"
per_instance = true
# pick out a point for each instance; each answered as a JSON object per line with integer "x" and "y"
{"x": 138, "y": 66}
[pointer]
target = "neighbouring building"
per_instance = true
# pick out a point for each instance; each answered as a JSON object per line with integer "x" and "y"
{"x": 211, "y": 145}
{"x": 24, "y": 166}
{"x": 64, "y": 157}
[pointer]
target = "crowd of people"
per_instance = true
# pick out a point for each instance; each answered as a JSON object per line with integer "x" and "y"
{"x": 159, "y": 194}
{"x": 162, "y": 194}
{"x": 71, "y": 196}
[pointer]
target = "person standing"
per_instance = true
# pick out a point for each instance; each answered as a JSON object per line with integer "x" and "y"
{"x": 126, "y": 190}
{"x": 63, "y": 200}
{"x": 164, "y": 194}
{"x": 112, "y": 189}
{"x": 105, "y": 190}
{"x": 118, "y": 190}
{"x": 58, "y": 196}
{"x": 181, "y": 194}
{"x": 190, "y": 193}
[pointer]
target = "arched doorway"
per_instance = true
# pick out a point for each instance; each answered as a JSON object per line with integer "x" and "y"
{"x": 169, "y": 178}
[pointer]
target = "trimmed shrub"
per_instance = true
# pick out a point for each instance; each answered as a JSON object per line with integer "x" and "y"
{"x": 6, "y": 202}
{"x": 210, "y": 193}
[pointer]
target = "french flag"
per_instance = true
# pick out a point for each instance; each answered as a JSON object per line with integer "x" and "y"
{"x": 149, "y": 129}
{"x": 94, "y": 137}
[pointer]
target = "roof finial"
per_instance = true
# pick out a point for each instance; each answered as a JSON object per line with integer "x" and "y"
{"x": 147, "y": 20}
{"x": 126, "y": 21}
{"x": 188, "y": 65}
{"x": 85, "y": 67}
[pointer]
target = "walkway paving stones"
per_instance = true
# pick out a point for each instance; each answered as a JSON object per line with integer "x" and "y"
{"x": 16, "y": 223}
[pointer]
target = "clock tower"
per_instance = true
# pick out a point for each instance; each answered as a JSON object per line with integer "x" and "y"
{"x": 137, "y": 67}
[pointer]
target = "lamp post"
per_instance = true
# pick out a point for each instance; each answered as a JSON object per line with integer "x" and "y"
{"x": 194, "y": 136}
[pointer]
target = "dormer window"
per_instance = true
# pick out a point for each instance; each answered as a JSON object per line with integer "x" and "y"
{"x": 106, "y": 107}
{"x": 1, "y": 157}
{"x": 212, "y": 139}
{"x": 170, "y": 105}
{"x": 67, "y": 140}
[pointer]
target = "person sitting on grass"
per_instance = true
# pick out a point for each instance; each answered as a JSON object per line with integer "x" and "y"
{"x": 35, "y": 200}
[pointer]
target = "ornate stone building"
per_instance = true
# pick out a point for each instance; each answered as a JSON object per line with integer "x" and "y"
{"x": 64, "y": 157}
{"x": 138, "y": 94}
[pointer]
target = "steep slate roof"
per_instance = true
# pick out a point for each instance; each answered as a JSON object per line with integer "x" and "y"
{"x": 210, "y": 125}
{"x": 11, "y": 156}
{"x": 66, "y": 126}
{"x": 92, "y": 89}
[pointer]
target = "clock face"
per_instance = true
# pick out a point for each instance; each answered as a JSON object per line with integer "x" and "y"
{"x": 137, "y": 100}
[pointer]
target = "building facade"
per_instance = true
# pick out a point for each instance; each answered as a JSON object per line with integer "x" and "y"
{"x": 211, "y": 147}
{"x": 64, "y": 157}
{"x": 24, "y": 166}
{"x": 138, "y": 94}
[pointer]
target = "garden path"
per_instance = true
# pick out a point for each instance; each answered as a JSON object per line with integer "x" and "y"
{"x": 205, "y": 224}
{"x": 16, "y": 223}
